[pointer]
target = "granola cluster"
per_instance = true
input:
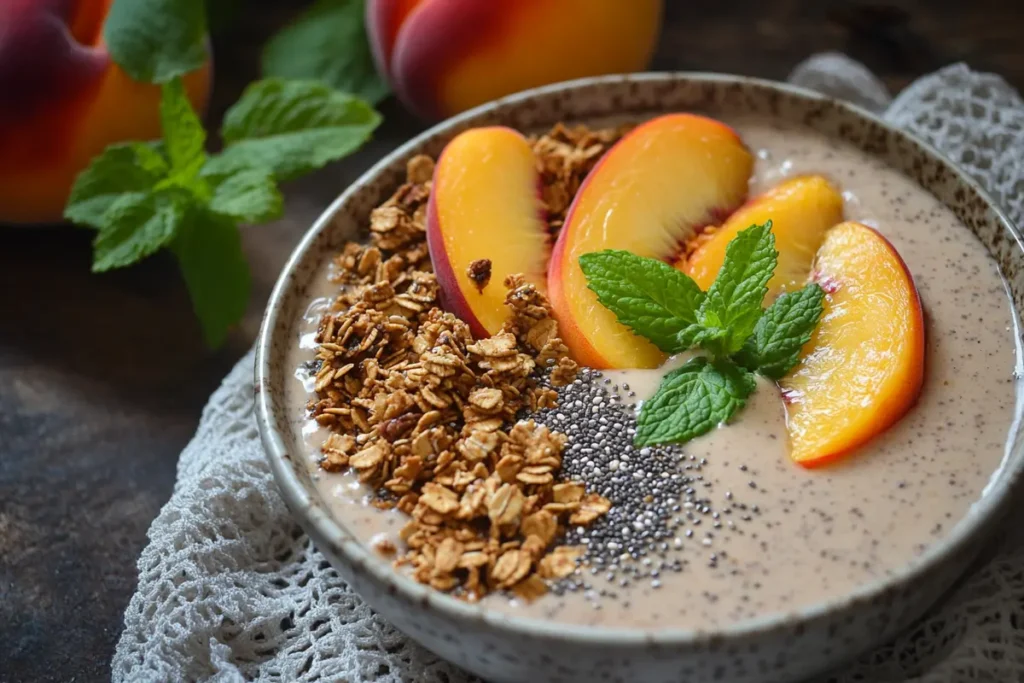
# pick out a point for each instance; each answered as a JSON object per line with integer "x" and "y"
{"x": 430, "y": 417}
{"x": 565, "y": 155}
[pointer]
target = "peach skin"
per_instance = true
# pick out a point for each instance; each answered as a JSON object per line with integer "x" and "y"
{"x": 863, "y": 368}
{"x": 648, "y": 194}
{"x": 444, "y": 56}
{"x": 801, "y": 209}
{"x": 485, "y": 221}
{"x": 64, "y": 100}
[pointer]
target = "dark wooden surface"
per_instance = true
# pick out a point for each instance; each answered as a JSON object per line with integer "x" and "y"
{"x": 102, "y": 378}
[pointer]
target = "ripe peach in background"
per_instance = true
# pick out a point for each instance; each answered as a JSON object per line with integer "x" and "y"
{"x": 484, "y": 205}
{"x": 63, "y": 100}
{"x": 801, "y": 210}
{"x": 863, "y": 368}
{"x": 444, "y": 56}
{"x": 648, "y": 194}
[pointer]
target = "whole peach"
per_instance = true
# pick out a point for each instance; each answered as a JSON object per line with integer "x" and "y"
{"x": 445, "y": 56}
{"x": 63, "y": 100}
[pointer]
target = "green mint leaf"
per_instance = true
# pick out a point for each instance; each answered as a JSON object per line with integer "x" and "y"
{"x": 327, "y": 43}
{"x": 248, "y": 197}
{"x": 209, "y": 251}
{"x": 709, "y": 338}
{"x": 136, "y": 225}
{"x": 184, "y": 136}
{"x": 737, "y": 377}
{"x": 783, "y": 330}
{"x": 121, "y": 169}
{"x": 291, "y": 128}
{"x": 156, "y": 40}
{"x": 651, "y": 298}
{"x": 693, "y": 400}
{"x": 733, "y": 302}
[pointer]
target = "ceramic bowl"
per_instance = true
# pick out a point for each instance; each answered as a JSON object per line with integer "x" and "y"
{"x": 501, "y": 648}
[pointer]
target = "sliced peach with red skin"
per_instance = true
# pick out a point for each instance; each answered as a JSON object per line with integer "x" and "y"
{"x": 801, "y": 210}
{"x": 484, "y": 205}
{"x": 648, "y": 194}
{"x": 863, "y": 368}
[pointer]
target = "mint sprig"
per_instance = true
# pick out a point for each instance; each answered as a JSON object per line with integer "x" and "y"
{"x": 727, "y": 323}
{"x": 142, "y": 197}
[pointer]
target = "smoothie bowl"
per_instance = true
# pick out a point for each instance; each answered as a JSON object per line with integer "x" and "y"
{"x": 658, "y": 377}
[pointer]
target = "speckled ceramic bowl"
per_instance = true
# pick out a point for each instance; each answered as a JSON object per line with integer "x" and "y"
{"x": 501, "y": 648}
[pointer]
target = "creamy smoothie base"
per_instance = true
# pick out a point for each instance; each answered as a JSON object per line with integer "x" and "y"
{"x": 753, "y": 533}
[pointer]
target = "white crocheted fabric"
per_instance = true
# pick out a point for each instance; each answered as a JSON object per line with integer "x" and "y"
{"x": 230, "y": 589}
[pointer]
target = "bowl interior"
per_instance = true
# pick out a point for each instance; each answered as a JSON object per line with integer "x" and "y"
{"x": 590, "y": 100}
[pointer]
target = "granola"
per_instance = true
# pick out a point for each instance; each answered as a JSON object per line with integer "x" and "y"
{"x": 565, "y": 155}
{"x": 479, "y": 272}
{"x": 430, "y": 417}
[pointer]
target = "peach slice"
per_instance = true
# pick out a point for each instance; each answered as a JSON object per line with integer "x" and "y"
{"x": 801, "y": 210}
{"x": 864, "y": 365}
{"x": 484, "y": 205}
{"x": 648, "y": 194}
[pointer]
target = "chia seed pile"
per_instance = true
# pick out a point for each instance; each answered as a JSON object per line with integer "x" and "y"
{"x": 664, "y": 513}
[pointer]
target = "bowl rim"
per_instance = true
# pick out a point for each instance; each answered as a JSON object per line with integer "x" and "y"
{"x": 983, "y": 514}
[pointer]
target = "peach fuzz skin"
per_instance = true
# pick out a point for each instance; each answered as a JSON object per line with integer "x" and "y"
{"x": 64, "y": 101}
{"x": 864, "y": 367}
{"x": 648, "y": 195}
{"x": 484, "y": 204}
{"x": 445, "y": 56}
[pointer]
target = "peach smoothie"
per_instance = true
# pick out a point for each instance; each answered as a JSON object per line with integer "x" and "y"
{"x": 837, "y": 475}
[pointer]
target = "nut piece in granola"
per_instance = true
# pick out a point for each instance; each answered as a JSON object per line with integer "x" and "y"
{"x": 479, "y": 271}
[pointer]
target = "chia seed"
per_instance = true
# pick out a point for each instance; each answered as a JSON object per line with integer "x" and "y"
{"x": 649, "y": 487}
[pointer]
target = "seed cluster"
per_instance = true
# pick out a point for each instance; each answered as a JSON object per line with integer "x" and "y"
{"x": 665, "y": 513}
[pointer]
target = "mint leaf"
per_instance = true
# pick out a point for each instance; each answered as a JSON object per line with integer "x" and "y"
{"x": 248, "y": 197}
{"x": 733, "y": 302}
{"x": 737, "y": 377}
{"x": 137, "y": 225}
{"x": 134, "y": 167}
{"x": 327, "y": 43}
{"x": 291, "y": 128}
{"x": 184, "y": 136}
{"x": 156, "y": 40}
{"x": 783, "y": 330}
{"x": 651, "y": 298}
{"x": 142, "y": 197}
{"x": 209, "y": 251}
{"x": 693, "y": 400}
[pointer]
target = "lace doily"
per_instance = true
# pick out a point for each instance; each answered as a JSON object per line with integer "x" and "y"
{"x": 231, "y": 589}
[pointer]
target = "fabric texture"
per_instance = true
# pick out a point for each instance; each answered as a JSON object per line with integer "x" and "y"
{"x": 231, "y": 589}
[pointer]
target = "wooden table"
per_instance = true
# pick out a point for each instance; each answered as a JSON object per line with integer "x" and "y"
{"x": 102, "y": 378}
